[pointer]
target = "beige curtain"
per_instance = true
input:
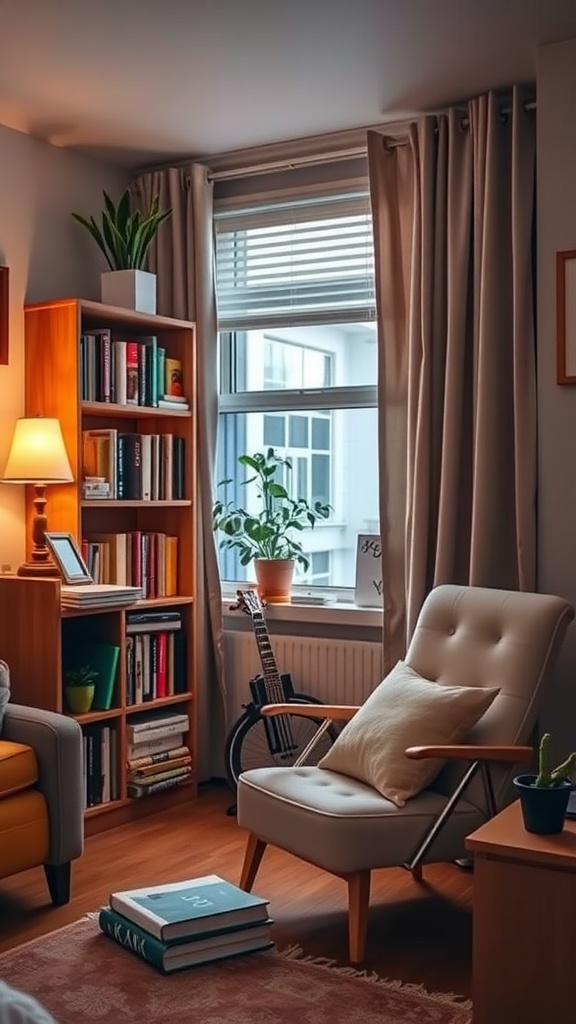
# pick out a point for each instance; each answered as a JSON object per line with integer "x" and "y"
{"x": 182, "y": 258}
{"x": 453, "y": 210}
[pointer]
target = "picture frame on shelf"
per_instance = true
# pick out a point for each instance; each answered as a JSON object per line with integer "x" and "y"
{"x": 65, "y": 553}
{"x": 4, "y": 315}
{"x": 566, "y": 317}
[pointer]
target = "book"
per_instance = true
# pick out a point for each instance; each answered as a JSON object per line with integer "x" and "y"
{"x": 152, "y": 772}
{"x": 157, "y": 745}
{"x": 132, "y": 379}
{"x": 150, "y": 346}
{"x": 137, "y": 792}
{"x": 151, "y": 726}
{"x": 171, "y": 956}
{"x": 173, "y": 377}
{"x": 146, "y": 761}
{"x": 195, "y": 905}
{"x": 175, "y": 404}
{"x": 163, "y": 772}
{"x": 119, "y": 363}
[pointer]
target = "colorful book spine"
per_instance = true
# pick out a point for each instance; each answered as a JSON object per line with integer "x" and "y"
{"x": 174, "y": 382}
{"x": 132, "y": 378}
{"x": 160, "y": 758}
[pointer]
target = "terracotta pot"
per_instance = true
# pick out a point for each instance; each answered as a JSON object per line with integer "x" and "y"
{"x": 274, "y": 578}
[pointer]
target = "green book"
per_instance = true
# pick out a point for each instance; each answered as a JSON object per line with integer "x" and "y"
{"x": 104, "y": 659}
{"x": 172, "y": 956}
{"x": 161, "y": 370}
{"x": 188, "y": 908}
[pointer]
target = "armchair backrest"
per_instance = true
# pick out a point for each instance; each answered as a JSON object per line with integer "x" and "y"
{"x": 475, "y": 636}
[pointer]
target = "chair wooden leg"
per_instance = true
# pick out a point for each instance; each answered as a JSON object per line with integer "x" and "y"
{"x": 254, "y": 852}
{"x": 358, "y": 904}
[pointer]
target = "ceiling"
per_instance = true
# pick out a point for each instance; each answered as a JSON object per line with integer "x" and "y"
{"x": 142, "y": 82}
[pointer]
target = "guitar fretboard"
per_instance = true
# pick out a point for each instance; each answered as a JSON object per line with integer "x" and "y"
{"x": 272, "y": 682}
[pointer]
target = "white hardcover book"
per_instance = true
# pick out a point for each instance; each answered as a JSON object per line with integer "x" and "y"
{"x": 120, "y": 372}
{"x": 151, "y": 723}
{"x": 195, "y": 906}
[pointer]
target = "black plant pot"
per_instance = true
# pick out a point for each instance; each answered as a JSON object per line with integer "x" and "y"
{"x": 543, "y": 808}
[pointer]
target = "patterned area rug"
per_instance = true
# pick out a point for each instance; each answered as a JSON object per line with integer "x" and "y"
{"x": 82, "y": 976}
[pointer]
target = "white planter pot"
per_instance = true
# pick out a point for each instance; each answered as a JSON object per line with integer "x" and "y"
{"x": 130, "y": 289}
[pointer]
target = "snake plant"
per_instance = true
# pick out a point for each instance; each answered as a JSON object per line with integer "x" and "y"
{"x": 123, "y": 237}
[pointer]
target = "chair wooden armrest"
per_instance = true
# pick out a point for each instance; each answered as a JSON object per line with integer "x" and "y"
{"x": 510, "y": 755}
{"x": 334, "y": 711}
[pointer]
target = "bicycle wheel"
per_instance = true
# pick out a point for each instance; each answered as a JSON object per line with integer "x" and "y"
{"x": 250, "y": 742}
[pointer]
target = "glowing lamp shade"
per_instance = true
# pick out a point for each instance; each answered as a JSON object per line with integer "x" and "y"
{"x": 38, "y": 456}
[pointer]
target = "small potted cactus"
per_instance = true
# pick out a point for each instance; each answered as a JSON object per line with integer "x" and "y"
{"x": 544, "y": 797}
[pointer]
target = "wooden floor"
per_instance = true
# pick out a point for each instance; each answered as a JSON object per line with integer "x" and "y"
{"x": 417, "y": 933}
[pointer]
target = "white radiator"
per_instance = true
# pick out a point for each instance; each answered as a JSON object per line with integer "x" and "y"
{"x": 334, "y": 671}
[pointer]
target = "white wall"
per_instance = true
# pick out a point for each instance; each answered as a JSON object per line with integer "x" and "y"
{"x": 49, "y": 256}
{"x": 556, "y": 190}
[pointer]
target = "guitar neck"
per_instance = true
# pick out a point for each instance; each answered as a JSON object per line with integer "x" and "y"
{"x": 272, "y": 681}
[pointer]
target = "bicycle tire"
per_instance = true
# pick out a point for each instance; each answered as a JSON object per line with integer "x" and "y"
{"x": 247, "y": 743}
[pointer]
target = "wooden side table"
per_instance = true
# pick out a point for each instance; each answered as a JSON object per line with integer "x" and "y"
{"x": 524, "y": 922}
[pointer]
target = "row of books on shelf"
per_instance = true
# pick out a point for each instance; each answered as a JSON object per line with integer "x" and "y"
{"x": 157, "y": 758}
{"x": 132, "y": 466}
{"x": 155, "y": 666}
{"x": 183, "y": 924}
{"x": 137, "y": 558}
{"x": 157, "y": 755}
{"x": 100, "y": 764}
{"x": 130, "y": 371}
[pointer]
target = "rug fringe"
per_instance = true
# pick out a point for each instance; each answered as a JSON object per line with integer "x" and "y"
{"x": 295, "y": 952}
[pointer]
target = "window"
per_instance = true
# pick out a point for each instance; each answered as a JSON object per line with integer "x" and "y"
{"x": 298, "y": 362}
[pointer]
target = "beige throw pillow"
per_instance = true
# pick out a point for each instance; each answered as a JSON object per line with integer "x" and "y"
{"x": 405, "y": 710}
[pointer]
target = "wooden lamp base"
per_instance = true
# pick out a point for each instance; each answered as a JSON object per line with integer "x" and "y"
{"x": 41, "y": 563}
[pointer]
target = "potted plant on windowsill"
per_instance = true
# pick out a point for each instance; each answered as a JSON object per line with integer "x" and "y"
{"x": 544, "y": 797}
{"x": 125, "y": 238}
{"x": 266, "y": 537}
{"x": 79, "y": 684}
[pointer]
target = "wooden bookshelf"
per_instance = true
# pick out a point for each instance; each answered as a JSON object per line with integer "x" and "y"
{"x": 32, "y": 623}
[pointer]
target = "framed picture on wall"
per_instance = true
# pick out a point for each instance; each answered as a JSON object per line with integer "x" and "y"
{"x": 4, "y": 315}
{"x": 566, "y": 317}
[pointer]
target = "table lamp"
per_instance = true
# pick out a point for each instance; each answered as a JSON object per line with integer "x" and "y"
{"x": 38, "y": 456}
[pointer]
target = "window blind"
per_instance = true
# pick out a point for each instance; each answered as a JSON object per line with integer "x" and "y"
{"x": 295, "y": 262}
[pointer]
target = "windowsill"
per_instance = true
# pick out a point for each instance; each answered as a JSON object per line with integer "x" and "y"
{"x": 339, "y": 613}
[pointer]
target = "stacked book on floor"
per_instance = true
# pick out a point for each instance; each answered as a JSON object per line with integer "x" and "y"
{"x": 183, "y": 924}
{"x": 157, "y": 756}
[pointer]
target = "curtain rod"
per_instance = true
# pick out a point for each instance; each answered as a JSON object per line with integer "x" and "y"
{"x": 289, "y": 165}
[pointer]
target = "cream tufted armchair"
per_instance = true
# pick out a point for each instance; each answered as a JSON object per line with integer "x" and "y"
{"x": 465, "y": 636}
